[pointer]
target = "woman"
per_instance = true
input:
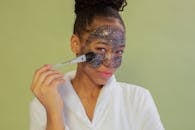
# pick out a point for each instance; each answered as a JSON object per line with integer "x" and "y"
{"x": 91, "y": 98}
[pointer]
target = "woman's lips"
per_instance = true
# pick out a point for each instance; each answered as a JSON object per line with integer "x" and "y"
{"x": 106, "y": 74}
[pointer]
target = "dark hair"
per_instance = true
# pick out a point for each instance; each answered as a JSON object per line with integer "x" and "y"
{"x": 86, "y": 10}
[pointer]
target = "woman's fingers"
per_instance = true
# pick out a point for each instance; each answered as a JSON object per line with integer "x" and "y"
{"x": 41, "y": 70}
{"x": 44, "y": 76}
{"x": 53, "y": 76}
{"x": 37, "y": 74}
{"x": 57, "y": 82}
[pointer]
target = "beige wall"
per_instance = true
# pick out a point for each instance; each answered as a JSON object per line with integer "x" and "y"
{"x": 159, "y": 54}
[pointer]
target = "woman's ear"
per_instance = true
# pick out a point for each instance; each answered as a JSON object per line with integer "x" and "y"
{"x": 75, "y": 44}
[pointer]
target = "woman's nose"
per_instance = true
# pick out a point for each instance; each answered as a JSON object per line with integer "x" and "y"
{"x": 108, "y": 56}
{"x": 112, "y": 61}
{"x": 108, "y": 60}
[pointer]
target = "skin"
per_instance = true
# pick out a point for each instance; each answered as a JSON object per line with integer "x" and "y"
{"x": 89, "y": 78}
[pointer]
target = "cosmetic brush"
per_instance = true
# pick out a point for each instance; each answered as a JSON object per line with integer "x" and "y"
{"x": 82, "y": 58}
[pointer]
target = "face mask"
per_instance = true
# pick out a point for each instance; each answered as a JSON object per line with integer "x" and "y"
{"x": 100, "y": 59}
{"x": 114, "y": 37}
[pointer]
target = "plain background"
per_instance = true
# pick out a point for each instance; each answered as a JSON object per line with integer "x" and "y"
{"x": 160, "y": 54}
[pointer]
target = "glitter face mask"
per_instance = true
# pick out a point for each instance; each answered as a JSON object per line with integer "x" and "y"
{"x": 99, "y": 59}
{"x": 112, "y": 36}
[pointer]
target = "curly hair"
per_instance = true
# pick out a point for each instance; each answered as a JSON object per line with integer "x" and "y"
{"x": 86, "y": 10}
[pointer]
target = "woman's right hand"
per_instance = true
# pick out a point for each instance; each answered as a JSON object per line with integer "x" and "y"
{"x": 45, "y": 87}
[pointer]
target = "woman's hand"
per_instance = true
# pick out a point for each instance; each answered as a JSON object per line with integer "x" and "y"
{"x": 45, "y": 87}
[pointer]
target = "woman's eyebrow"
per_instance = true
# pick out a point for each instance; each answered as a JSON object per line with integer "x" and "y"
{"x": 102, "y": 42}
{"x": 108, "y": 44}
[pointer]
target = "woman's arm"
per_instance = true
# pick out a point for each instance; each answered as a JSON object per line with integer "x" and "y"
{"x": 55, "y": 121}
{"x": 45, "y": 87}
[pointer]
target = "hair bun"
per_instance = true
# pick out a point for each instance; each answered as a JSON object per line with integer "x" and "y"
{"x": 81, "y": 5}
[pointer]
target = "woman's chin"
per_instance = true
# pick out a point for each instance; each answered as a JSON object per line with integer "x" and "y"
{"x": 101, "y": 81}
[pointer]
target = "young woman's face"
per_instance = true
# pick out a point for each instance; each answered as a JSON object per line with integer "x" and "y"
{"x": 107, "y": 40}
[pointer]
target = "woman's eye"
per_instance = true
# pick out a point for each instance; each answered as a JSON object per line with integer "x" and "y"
{"x": 119, "y": 52}
{"x": 100, "y": 49}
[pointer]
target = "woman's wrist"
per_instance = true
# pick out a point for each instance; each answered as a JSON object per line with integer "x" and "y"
{"x": 55, "y": 121}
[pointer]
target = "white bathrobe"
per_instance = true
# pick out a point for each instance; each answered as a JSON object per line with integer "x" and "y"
{"x": 120, "y": 106}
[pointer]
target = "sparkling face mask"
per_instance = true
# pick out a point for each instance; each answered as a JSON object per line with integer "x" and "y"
{"x": 99, "y": 59}
{"x": 109, "y": 35}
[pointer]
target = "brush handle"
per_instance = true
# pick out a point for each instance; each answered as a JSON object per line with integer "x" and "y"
{"x": 79, "y": 59}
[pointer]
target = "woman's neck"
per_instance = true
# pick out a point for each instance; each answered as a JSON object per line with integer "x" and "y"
{"x": 84, "y": 87}
{"x": 87, "y": 91}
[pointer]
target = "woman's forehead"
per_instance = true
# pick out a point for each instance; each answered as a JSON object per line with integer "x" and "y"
{"x": 97, "y": 23}
{"x": 111, "y": 34}
{"x": 107, "y": 30}
{"x": 102, "y": 21}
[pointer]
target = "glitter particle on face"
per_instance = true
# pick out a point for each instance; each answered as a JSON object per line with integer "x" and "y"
{"x": 105, "y": 33}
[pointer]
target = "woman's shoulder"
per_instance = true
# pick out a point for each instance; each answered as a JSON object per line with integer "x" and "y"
{"x": 132, "y": 90}
{"x": 131, "y": 87}
{"x": 139, "y": 101}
